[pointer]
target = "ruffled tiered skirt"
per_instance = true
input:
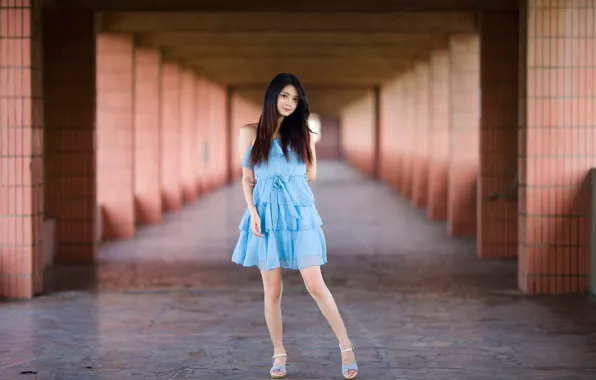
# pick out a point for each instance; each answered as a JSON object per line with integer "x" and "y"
{"x": 291, "y": 225}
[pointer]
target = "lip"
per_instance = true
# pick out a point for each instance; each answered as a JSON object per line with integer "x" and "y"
{"x": 286, "y": 109}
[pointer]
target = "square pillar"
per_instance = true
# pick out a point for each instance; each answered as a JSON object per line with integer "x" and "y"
{"x": 499, "y": 35}
{"x": 420, "y": 146}
{"x": 557, "y": 146}
{"x": 464, "y": 105}
{"x": 115, "y": 120}
{"x": 70, "y": 151}
{"x": 147, "y": 129}
{"x": 388, "y": 156}
{"x": 408, "y": 133}
{"x": 21, "y": 150}
{"x": 200, "y": 126}
{"x": 438, "y": 173}
{"x": 399, "y": 145}
{"x": 170, "y": 136}
{"x": 187, "y": 135}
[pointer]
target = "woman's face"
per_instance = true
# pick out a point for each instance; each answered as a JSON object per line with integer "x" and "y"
{"x": 287, "y": 100}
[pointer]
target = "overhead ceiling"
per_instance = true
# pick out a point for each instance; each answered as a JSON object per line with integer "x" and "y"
{"x": 338, "y": 53}
{"x": 293, "y": 6}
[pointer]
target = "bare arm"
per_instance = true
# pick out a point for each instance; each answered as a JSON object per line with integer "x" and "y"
{"x": 245, "y": 141}
{"x": 311, "y": 169}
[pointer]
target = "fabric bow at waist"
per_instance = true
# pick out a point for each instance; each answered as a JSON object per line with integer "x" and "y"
{"x": 280, "y": 196}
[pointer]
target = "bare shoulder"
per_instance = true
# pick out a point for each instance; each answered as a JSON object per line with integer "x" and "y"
{"x": 248, "y": 133}
{"x": 249, "y": 129}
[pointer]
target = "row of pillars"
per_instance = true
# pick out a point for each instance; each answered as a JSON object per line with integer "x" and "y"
{"x": 162, "y": 135}
{"x": 518, "y": 97}
{"x": 494, "y": 134}
{"x": 99, "y": 135}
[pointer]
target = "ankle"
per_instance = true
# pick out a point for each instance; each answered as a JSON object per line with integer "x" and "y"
{"x": 345, "y": 345}
{"x": 279, "y": 350}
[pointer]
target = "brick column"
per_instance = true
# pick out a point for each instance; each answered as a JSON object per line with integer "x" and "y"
{"x": 499, "y": 38}
{"x": 393, "y": 113}
{"x": 187, "y": 135}
{"x": 387, "y": 141}
{"x": 464, "y": 146}
{"x": 70, "y": 155}
{"x": 439, "y": 135}
{"x": 223, "y": 141}
{"x": 422, "y": 112}
{"x": 408, "y": 133}
{"x": 399, "y": 144}
{"x": 147, "y": 129}
{"x": 170, "y": 136}
{"x": 208, "y": 134}
{"x": 200, "y": 134}
{"x": 21, "y": 152}
{"x": 557, "y": 147}
{"x": 115, "y": 87}
{"x": 217, "y": 135}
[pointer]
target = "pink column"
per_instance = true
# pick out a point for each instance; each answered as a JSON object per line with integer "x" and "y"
{"x": 439, "y": 136}
{"x": 187, "y": 135}
{"x": 115, "y": 86}
{"x": 557, "y": 147}
{"x": 147, "y": 129}
{"x": 498, "y": 134}
{"x": 70, "y": 151}
{"x": 408, "y": 132}
{"x": 421, "y": 135}
{"x": 464, "y": 155}
{"x": 170, "y": 136}
{"x": 21, "y": 150}
{"x": 200, "y": 165}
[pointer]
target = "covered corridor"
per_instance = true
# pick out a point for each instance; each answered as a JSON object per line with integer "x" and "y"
{"x": 114, "y": 114}
{"x": 418, "y": 303}
{"x": 457, "y": 159}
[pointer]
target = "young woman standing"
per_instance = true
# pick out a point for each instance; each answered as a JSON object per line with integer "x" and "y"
{"x": 281, "y": 227}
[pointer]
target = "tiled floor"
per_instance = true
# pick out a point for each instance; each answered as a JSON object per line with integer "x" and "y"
{"x": 418, "y": 304}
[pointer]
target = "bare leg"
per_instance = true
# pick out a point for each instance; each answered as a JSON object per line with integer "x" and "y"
{"x": 313, "y": 279}
{"x": 272, "y": 286}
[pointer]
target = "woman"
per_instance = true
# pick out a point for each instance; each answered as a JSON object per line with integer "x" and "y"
{"x": 281, "y": 227}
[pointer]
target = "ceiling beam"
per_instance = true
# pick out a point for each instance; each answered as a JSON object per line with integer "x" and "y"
{"x": 344, "y": 70}
{"x": 261, "y": 77}
{"x": 291, "y": 51}
{"x": 304, "y": 39}
{"x": 316, "y": 63}
{"x": 389, "y": 22}
{"x": 294, "y": 6}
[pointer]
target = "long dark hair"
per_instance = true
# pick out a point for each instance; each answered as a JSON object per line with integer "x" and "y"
{"x": 294, "y": 130}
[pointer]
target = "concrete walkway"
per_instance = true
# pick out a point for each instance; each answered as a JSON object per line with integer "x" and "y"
{"x": 418, "y": 304}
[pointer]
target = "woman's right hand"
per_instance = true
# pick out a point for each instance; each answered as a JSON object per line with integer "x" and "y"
{"x": 255, "y": 224}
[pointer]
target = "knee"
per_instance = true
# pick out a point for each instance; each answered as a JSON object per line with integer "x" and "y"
{"x": 273, "y": 292}
{"x": 317, "y": 289}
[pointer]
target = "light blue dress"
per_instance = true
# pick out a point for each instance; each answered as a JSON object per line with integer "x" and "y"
{"x": 289, "y": 218}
